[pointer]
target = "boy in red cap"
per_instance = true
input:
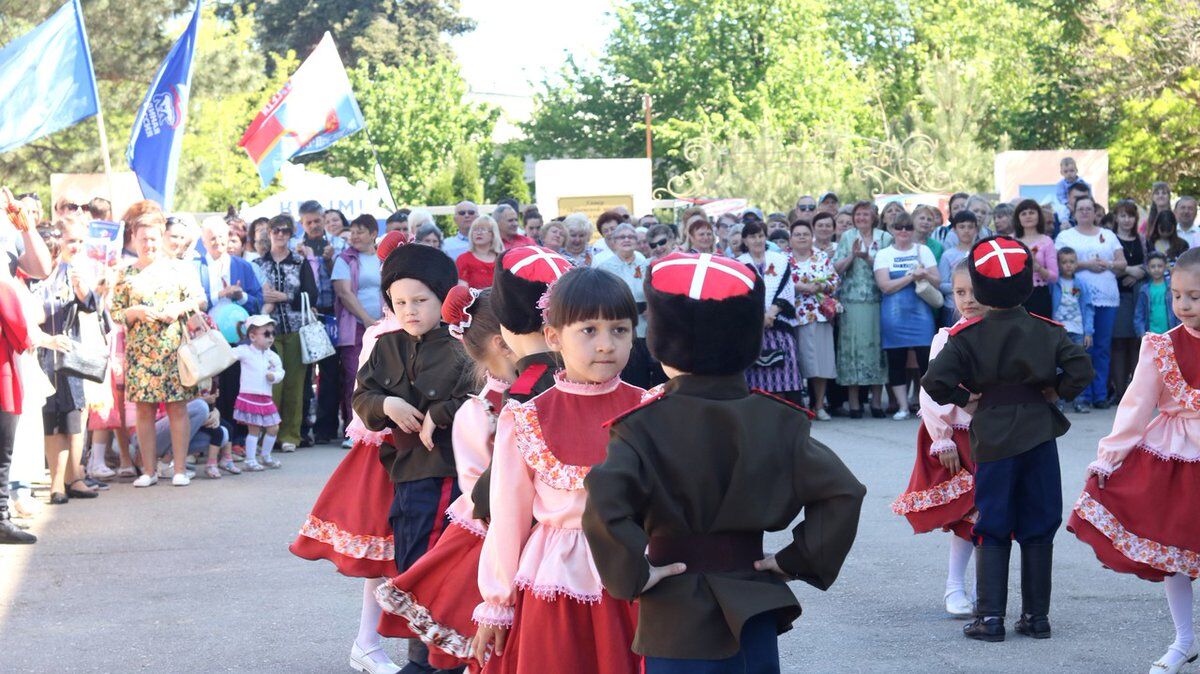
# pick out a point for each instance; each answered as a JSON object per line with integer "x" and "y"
{"x": 700, "y": 471}
{"x": 1015, "y": 364}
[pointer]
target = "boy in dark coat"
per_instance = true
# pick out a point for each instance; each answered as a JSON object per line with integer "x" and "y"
{"x": 701, "y": 471}
{"x": 1015, "y": 364}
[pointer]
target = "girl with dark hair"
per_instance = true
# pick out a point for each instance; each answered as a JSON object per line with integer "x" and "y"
{"x": 1164, "y": 237}
{"x": 544, "y": 608}
{"x": 860, "y": 353}
{"x": 1160, "y": 200}
{"x": 1029, "y": 227}
{"x": 1124, "y": 223}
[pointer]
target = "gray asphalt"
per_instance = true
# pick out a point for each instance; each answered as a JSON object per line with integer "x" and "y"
{"x": 200, "y": 579}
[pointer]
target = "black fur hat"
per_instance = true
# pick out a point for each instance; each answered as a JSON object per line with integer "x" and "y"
{"x": 705, "y": 313}
{"x": 1001, "y": 272}
{"x": 522, "y": 276}
{"x": 423, "y": 263}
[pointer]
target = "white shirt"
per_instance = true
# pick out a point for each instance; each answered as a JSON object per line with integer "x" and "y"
{"x": 895, "y": 260}
{"x": 1101, "y": 245}
{"x": 255, "y": 364}
{"x": 1192, "y": 236}
{"x": 456, "y": 245}
{"x": 219, "y": 278}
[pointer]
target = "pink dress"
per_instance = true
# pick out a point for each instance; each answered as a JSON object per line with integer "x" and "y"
{"x": 1144, "y": 520}
{"x": 935, "y": 498}
{"x": 540, "y": 578}
{"x": 433, "y": 600}
{"x": 348, "y": 525}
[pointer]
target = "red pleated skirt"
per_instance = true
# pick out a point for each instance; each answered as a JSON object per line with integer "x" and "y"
{"x": 935, "y": 498}
{"x": 348, "y": 525}
{"x": 433, "y": 600}
{"x": 565, "y": 635}
{"x": 1144, "y": 520}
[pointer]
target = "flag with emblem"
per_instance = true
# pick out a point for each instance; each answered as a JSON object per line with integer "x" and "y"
{"x": 313, "y": 110}
{"x": 157, "y": 136}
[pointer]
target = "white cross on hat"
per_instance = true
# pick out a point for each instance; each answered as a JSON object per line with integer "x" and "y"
{"x": 731, "y": 276}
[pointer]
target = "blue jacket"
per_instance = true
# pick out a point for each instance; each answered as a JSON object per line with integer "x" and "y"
{"x": 240, "y": 271}
{"x": 1087, "y": 310}
{"x": 1141, "y": 310}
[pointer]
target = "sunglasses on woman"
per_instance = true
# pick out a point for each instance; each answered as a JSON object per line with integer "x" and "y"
{"x": 657, "y": 244}
{"x": 903, "y": 228}
{"x": 806, "y": 207}
{"x": 278, "y": 230}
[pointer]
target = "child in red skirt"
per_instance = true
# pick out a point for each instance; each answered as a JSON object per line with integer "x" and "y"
{"x": 261, "y": 369}
{"x": 1138, "y": 509}
{"x": 434, "y": 599}
{"x": 348, "y": 525}
{"x": 544, "y": 608}
{"x": 940, "y": 493}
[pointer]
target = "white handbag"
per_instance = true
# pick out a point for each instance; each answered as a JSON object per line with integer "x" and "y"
{"x": 315, "y": 344}
{"x": 204, "y": 356}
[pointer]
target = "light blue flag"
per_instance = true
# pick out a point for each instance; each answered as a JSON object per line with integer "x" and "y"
{"x": 157, "y": 136}
{"x": 47, "y": 78}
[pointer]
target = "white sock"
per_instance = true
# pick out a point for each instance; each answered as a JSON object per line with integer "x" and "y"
{"x": 960, "y": 556}
{"x": 251, "y": 448}
{"x": 368, "y": 622}
{"x": 96, "y": 460}
{"x": 267, "y": 446}
{"x": 1179, "y": 600}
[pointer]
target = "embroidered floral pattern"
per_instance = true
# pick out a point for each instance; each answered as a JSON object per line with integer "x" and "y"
{"x": 936, "y": 496}
{"x": 532, "y": 445}
{"x": 1176, "y": 385}
{"x": 421, "y": 622}
{"x": 357, "y": 546}
{"x": 1143, "y": 550}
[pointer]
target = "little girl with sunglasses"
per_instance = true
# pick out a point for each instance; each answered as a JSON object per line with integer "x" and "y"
{"x": 261, "y": 370}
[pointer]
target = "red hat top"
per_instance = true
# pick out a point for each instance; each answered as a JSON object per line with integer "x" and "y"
{"x": 701, "y": 277}
{"x": 456, "y": 309}
{"x": 393, "y": 240}
{"x": 535, "y": 264}
{"x": 999, "y": 258}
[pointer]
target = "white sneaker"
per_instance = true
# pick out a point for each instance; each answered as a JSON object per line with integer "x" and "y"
{"x": 181, "y": 480}
{"x": 146, "y": 480}
{"x": 901, "y": 415}
{"x": 1173, "y": 660}
{"x": 101, "y": 472}
{"x": 959, "y": 605}
{"x": 287, "y": 447}
{"x": 822, "y": 415}
{"x": 362, "y": 661}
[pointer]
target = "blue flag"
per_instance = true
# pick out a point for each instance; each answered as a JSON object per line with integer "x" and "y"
{"x": 47, "y": 78}
{"x": 157, "y": 136}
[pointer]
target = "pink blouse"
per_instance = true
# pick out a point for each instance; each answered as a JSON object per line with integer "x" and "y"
{"x": 1158, "y": 383}
{"x": 356, "y": 430}
{"x": 942, "y": 420}
{"x": 1046, "y": 255}
{"x": 544, "y": 449}
{"x": 472, "y": 433}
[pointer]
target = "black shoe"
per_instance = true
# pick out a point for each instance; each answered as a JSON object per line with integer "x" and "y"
{"x": 856, "y": 414}
{"x": 985, "y": 629}
{"x": 1036, "y": 565}
{"x": 58, "y": 498}
{"x": 80, "y": 493}
{"x": 11, "y": 534}
{"x": 836, "y": 411}
{"x": 877, "y": 413}
{"x": 1100, "y": 405}
{"x": 305, "y": 442}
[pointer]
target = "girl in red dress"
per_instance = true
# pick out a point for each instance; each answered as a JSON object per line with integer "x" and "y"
{"x": 544, "y": 608}
{"x": 1138, "y": 509}
{"x": 434, "y": 598}
{"x": 941, "y": 491}
{"x": 348, "y": 525}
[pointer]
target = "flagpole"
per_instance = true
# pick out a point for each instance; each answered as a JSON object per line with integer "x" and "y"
{"x": 87, "y": 49}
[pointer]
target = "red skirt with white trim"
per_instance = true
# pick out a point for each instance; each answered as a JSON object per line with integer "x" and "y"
{"x": 565, "y": 635}
{"x": 348, "y": 525}
{"x": 1144, "y": 520}
{"x": 433, "y": 600}
{"x": 935, "y": 498}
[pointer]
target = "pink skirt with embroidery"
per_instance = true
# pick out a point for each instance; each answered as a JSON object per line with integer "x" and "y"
{"x": 348, "y": 525}
{"x": 1144, "y": 520}
{"x": 935, "y": 498}
{"x": 255, "y": 409}
{"x": 433, "y": 600}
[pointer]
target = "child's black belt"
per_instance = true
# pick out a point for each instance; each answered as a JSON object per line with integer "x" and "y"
{"x": 1011, "y": 394}
{"x": 708, "y": 553}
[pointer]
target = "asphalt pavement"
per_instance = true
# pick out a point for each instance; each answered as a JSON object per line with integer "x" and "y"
{"x": 199, "y": 579}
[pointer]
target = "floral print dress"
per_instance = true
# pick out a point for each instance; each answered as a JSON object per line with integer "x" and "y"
{"x": 152, "y": 348}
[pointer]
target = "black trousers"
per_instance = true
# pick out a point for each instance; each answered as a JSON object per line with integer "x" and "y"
{"x": 228, "y": 384}
{"x": 897, "y": 362}
{"x": 8, "y": 435}
{"x": 329, "y": 397}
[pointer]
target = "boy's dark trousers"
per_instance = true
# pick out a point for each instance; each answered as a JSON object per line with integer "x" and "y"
{"x": 759, "y": 654}
{"x": 1019, "y": 497}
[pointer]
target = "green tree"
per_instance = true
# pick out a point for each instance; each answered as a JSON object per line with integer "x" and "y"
{"x": 383, "y": 32}
{"x": 417, "y": 117}
{"x": 466, "y": 182}
{"x": 509, "y": 181}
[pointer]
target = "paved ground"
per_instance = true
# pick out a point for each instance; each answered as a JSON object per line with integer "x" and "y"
{"x": 199, "y": 579}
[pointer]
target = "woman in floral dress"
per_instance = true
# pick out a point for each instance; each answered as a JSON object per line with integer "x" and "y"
{"x": 816, "y": 281}
{"x": 149, "y": 298}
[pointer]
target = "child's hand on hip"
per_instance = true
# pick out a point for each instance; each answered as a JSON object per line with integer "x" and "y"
{"x": 657, "y": 573}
